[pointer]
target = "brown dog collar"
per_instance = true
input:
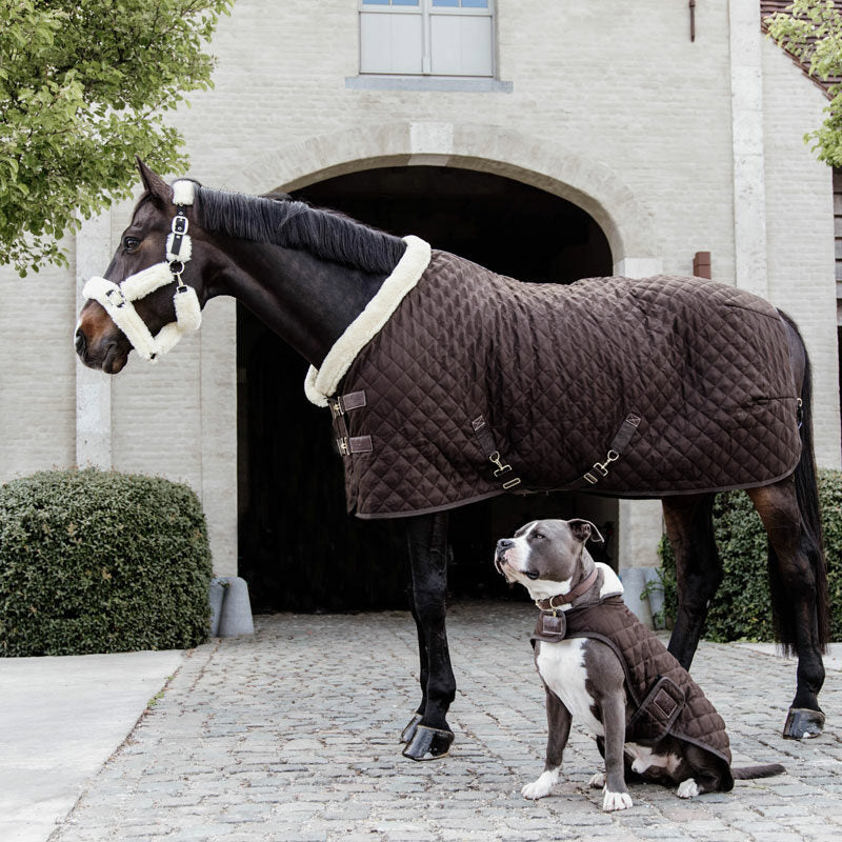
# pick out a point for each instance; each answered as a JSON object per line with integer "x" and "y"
{"x": 555, "y": 602}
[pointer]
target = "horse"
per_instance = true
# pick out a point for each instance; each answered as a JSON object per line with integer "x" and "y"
{"x": 311, "y": 276}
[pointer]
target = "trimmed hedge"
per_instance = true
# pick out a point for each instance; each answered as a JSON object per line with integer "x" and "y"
{"x": 94, "y": 561}
{"x": 741, "y": 609}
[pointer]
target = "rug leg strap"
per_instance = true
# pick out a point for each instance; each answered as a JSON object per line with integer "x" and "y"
{"x": 503, "y": 472}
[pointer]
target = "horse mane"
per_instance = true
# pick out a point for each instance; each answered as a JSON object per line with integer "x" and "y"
{"x": 293, "y": 224}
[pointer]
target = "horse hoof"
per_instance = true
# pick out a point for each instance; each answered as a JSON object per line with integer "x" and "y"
{"x": 408, "y": 733}
{"x": 803, "y": 723}
{"x": 428, "y": 743}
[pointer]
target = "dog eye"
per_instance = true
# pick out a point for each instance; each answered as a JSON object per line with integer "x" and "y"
{"x": 130, "y": 243}
{"x": 538, "y": 536}
{"x": 532, "y": 574}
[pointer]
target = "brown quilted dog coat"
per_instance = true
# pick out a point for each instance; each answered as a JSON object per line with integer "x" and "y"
{"x": 646, "y": 661}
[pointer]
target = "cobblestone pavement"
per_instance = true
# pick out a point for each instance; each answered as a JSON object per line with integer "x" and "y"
{"x": 292, "y": 735}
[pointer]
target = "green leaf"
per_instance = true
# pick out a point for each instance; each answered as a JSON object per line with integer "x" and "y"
{"x": 79, "y": 97}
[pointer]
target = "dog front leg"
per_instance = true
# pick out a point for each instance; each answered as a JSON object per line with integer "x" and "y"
{"x": 615, "y": 795}
{"x": 558, "y": 721}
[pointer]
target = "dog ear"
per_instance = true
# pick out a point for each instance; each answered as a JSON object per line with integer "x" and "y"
{"x": 584, "y": 530}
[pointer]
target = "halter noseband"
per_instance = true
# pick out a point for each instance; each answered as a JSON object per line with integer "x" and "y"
{"x": 117, "y": 298}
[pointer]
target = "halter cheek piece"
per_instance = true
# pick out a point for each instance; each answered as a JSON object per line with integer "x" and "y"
{"x": 117, "y": 298}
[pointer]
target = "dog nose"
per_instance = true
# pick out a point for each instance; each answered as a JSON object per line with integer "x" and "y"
{"x": 505, "y": 544}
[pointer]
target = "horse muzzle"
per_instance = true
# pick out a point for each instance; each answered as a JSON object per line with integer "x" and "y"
{"x": 106, "y": 354}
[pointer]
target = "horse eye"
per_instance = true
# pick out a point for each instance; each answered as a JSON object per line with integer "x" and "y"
{"x": 130, "y": 243}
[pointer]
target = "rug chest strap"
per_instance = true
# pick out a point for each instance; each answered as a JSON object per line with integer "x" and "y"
{"x": 502, "y": 471}
{"x": 339, "y": 406}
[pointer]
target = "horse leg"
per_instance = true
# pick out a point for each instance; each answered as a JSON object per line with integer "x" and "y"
{"x": 797, "y": 585}
{"x": 430, "y": 736}
{"x": 409, "y": 732}
{"x": 689, "y": 524}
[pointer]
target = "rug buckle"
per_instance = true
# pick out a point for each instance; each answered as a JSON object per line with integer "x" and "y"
{"x": 503, "y": 468}
{"x": 496, "y": 459}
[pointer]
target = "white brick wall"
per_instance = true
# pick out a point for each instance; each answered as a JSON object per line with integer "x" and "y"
{"x": 799, "y": 224}
{"x": 37, "y": 366}
{"x": 612, "y": 107}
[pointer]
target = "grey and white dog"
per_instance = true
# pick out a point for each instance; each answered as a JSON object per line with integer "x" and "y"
{"x": 585, "y": 678}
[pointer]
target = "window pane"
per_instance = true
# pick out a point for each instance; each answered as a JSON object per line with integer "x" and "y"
{"x": 375, "y": 2}
{"x": 474, "y": 4}
{"x": 390, "y": 43}
{"x": 460, "y": 45}
{"x": 404, "y": 2}
{"x": 445, "y": 2}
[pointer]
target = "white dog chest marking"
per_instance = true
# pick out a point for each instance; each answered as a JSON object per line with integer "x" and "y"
{"x": 562, "y": 666}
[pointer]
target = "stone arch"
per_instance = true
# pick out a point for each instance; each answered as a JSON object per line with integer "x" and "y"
{"x": 591, "y": 185}
{"x": 277, "y": 529}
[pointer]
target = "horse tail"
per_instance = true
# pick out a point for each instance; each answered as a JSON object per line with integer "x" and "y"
{"x": 807, "y": 496}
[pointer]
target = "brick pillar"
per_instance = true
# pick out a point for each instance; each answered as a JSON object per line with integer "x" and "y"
{"x": 93, "y": 388}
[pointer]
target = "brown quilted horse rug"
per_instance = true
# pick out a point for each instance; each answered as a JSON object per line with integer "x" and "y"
{"x": 457, "y": 384}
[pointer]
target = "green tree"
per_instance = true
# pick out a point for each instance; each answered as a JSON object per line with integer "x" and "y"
{"x": 84, "y": 88}
{"x": 811, "y": 30}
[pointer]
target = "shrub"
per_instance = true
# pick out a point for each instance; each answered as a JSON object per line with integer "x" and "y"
{"x": 94, "y": 561}
{"x": 742, "y": 609}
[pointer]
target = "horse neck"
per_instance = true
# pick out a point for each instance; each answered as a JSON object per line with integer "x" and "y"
{"x": 307, "y": 301}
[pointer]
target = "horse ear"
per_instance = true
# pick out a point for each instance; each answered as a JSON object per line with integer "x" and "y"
{"x": 584, "y": 530}
{"x": 153, "y": 183}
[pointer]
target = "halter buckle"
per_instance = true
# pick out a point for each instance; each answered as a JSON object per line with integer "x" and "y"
{"x": 180, "y": 223}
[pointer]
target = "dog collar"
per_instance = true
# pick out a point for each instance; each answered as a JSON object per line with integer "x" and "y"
{"x": 117, "y": 299}
{"x": 553, "y": 603}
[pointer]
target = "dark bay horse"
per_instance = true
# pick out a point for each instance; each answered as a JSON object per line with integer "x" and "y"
{"x": 308, "y": 274}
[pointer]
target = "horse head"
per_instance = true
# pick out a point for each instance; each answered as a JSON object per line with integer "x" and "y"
{"x": 153, "y": 289}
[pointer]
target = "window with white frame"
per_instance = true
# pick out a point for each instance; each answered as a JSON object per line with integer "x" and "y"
{"x": 427, "y": 37}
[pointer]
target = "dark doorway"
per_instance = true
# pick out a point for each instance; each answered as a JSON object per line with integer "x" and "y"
{"x": 298, "y": 548}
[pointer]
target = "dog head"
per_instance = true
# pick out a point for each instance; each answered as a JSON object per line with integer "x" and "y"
{"x": 547, "y": 557}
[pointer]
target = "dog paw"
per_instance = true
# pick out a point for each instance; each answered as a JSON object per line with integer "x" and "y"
{"x": 687, "y": 789}
{"x": 540, "y": 787}
{"x": 597, "y": 781}
{"x": 615, "y": 801}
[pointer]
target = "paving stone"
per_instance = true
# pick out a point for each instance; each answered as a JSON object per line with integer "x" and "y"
{"x": 255, "y": 741}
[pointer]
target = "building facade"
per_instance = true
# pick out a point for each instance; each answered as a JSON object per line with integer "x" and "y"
{"x": 600, "y": 137}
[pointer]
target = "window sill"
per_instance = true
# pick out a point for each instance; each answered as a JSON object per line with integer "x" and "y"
{"x": 374, "y": 82}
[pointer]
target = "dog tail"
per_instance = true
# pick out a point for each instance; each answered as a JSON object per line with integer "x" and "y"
{"x": 748, "y": 773}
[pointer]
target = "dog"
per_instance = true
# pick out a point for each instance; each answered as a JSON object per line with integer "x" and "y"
{"x": 603, "y": 667}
